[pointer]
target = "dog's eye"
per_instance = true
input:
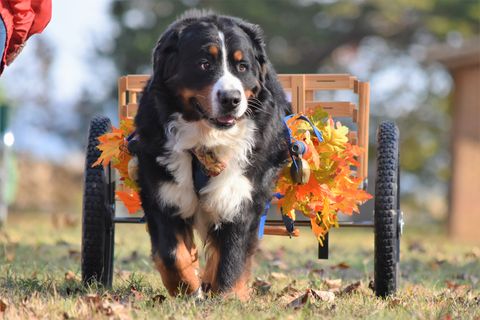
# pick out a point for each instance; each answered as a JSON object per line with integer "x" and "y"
{"x": 204, "y": 65}
{"x": 242, "y": 67}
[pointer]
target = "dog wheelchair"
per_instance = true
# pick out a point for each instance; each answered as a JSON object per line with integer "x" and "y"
{"x": 101, "y": 209}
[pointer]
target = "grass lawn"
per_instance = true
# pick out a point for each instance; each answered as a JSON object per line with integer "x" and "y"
{"x": 40, "y": 271}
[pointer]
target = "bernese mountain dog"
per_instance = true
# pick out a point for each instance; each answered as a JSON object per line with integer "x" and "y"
{"x": 213, "y": 106}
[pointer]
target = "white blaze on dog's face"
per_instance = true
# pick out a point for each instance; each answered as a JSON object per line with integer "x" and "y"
{"x": 228, "y": 95}
{"x": 216, "y": 74}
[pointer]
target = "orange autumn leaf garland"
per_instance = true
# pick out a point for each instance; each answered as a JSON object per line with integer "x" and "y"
{"x": 113, "y": 147}
{"x": 333, "y": 186}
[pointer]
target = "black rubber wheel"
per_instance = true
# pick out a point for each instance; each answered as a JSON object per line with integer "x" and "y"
{"x": 98, "y": 230}
{"x": 387, "y": 210}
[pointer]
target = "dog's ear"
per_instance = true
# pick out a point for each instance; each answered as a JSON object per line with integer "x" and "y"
{"x": 165, "y": 55}
{"x": 255, "y": 34}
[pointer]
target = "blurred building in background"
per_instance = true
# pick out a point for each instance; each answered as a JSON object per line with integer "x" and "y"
{"x": 463, "y": 62}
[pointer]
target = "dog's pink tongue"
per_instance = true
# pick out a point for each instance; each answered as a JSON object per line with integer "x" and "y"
{"x": 226, "y": 119}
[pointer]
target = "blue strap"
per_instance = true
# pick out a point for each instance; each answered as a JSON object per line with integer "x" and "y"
{"x": 263, "y": 218}
{"x": 199, "y": 175}
{"x": 288, "y": 134}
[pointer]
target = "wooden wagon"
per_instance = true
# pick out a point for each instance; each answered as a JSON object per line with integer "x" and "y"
{"x": 305, "y": 92}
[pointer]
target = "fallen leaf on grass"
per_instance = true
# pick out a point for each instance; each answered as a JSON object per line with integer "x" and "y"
{"x": 353, "y": 287}
{"x": 313, "y": 295}
{"x": 3, "y": 305}
{"x": 278, "y": 275}
{"x": 455, "y": 286}
{"x": 288, "y": 293}
{"x": 333, "y": 284}
{"x": 111, "y": 309}
{"x": 71, "y": 276}
{"x": 341, "y": 265}
{"x": 106, "y": 307}
{"x": 261, "y": 286}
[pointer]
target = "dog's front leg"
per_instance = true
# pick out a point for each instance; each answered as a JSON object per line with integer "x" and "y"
{"x": 229, "y": 259}
{"x": 173, "y": 250}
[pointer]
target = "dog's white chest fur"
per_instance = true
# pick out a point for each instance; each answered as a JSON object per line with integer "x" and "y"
{"x": 221, "y": 199}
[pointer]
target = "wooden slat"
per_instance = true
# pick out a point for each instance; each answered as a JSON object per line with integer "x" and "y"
{"x": 280, "y": 231}
{"x": 364, "y": 104}
{"x": 122, "y": 95}
{"x": 329, "y": 81}
{"x": 136, "y": 82}
{"x": 334, "y": 108}
{"x": 132, "y": 98}
{"x": 298, "y": 94}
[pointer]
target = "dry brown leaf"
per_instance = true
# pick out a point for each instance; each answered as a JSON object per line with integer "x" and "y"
{"x": 353, "y": 287}
{"x": 3, "y": 305}
{"x": 299, "y": 301}
{"x": 309, "y": 294}
{"x": 455, "y": 286}
{"x": 288, "y": 293}
{"x": 341, "y": 265}
{"x": 289, "y": 290}
{"x": 277, "y": 275}
{"x": 70, "y": 276}
{"x": 261, "y": 286}
{"x": 325, "y": 296}
{"x": 333, "y": 284}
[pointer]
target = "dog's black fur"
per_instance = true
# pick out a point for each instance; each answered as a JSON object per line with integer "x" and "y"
{"x": 175, "y": 67}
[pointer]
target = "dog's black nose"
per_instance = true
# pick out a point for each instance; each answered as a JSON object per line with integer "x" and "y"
{"x": 229, "y": 99}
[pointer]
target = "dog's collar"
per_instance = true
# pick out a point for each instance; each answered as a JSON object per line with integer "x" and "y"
{"x": 211, "y": 164}
{"x": 205, "y": 164}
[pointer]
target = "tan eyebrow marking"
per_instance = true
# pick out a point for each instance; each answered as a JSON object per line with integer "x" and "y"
{"x": 238, "y": 55}
{"x": 213, "y": 50}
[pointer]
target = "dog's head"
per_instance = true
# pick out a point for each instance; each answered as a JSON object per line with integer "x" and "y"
{"x": 214, "y": 65}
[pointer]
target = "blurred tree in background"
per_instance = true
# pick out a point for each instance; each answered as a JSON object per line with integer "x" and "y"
{"x": 386, "y": 42}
